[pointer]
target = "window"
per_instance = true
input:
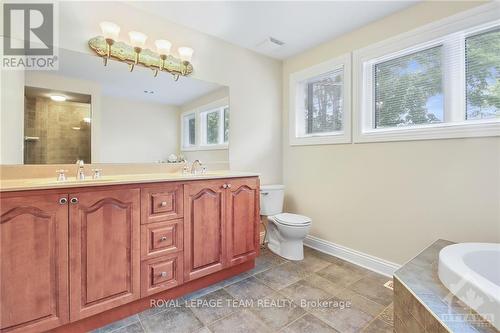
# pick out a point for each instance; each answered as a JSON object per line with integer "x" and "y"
{"x": 323, "y": 103}
{"x": 319, "y": 103}
{"x": 441, "y": 81}
{"x": 409, "y": 90}
{"x": 215, "y": 126}
{"x": 189, "y": 130}
{"x": 207, "y": 127}
{"x": 482, "y": 61}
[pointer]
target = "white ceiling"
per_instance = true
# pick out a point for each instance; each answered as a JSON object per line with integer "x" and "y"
{"x": 115, "y": 80}
{"x": 300, "y": 24}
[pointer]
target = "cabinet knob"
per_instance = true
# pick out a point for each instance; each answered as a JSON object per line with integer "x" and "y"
{"x": 163, "y": 204}
{"x": 63, "y": 201}
{"x": 163, "y": 239}
{"x": 224, "y": 186}
{"x": 163, "y": 274}
{"x": 74, "y": 200}
{"x": 228, "y": 185}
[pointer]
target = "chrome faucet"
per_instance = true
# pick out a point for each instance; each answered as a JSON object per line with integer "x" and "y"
{"x": 195, "y": 166}
{"x": 61, "y": 175}
{"x": 80, "y": 173}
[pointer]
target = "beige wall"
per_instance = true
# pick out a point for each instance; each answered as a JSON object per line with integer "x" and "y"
{"x": 137, "y": 132}
{"x": 11, "y": 116}
{"x": 390, "y": 200}
{"x": 254, "y": 80}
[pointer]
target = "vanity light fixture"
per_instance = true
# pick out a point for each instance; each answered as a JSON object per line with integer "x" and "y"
{"x": 110, "y": 31}
{"x": 163, "y": 48}
{"x": 138, "y": 41}
{"x": 57, "y": 98}
{"x": 135, "y": 53}
{"x": 185, "y": 53}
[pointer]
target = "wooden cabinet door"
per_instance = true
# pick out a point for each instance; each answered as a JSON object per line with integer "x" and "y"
{"x": 242, "y": 219}
{"x": 34, "y": 263}
{"x": 204, "y": 230}
{"x": 104, "y": 250}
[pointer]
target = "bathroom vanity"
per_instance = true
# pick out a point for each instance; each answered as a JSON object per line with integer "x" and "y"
{"x": 76, "y": 256}
{"x": 129, "y": 223}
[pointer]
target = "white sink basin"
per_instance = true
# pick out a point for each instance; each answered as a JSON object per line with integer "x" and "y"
{"x": 471, "y": 271}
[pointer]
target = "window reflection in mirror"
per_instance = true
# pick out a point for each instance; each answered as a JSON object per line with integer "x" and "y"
{"x": 206, "y": 123}
{"x": 57, "y": 126}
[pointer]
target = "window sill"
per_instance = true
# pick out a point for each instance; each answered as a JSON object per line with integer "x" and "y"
{"x": 338, "y": 138}
{"x": 470, "y": 129}
{"x": 207, "y": 147}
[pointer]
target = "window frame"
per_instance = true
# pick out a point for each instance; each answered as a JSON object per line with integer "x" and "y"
{"x": 220, "y": 105}
{"x": 296, "y": 97}
{"x": 185, "y": 135}
{"x": 450, "y": 33}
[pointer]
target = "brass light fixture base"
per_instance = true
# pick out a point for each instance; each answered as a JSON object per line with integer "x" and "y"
{"x": 125, "y": 53}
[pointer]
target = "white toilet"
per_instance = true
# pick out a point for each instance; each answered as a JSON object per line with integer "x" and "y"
{"x": 285, "y": 232}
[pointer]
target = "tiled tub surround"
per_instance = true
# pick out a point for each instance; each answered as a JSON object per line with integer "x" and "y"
{"x": 423, "y": 304}
{"x": 276, "y": 292}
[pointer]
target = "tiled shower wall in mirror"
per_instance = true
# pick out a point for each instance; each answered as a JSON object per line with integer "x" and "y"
{"x": 56, "y": 132}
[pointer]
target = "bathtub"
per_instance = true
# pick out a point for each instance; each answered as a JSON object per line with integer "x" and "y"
{"x": 471, "y": 271}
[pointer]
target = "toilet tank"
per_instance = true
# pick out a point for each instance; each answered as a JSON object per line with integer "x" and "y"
{"x": 271, "y": 199}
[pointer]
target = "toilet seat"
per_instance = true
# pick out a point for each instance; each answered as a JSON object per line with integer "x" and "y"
{"x": 293, "y": 220}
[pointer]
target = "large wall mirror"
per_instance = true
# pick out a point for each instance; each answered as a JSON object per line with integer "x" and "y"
{"x": 86, "y": 111}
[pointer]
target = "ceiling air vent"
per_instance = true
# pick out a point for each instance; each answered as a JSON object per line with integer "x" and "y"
{"x": 270, "y": 44}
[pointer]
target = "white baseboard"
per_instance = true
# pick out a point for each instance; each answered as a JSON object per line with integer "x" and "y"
{"x": 367, "y": 261}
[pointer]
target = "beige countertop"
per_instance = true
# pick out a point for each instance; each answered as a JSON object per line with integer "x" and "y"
{"x": 9, "y": 185}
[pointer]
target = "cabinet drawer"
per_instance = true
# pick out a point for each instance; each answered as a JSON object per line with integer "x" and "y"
{"x": 161, "y": 273}
{"x": 161, "y": 238}
{"x": 161, "y": 202}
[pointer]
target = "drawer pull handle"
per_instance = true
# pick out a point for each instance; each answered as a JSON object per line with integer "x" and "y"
{"x": 63, "y": 201}
{"x": 74, "y": 200}
{"x": 163, "y": 239}
{"x": 163, "y": 204}
{"x": 163, "y": 274}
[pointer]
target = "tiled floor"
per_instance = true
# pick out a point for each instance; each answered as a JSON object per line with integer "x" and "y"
{"x": 319, "y": 294}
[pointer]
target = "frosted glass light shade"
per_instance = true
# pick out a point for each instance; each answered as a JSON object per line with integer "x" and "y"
{"x": 163, "y": 46}
{"x": 110, "y": 30}
{"x": 185, "y": 53}
{"x": 137, "y": 39}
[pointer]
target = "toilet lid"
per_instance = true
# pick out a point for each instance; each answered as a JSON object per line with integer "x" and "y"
{"x": 292, "y": 219}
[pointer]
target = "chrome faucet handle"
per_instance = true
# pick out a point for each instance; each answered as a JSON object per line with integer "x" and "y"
{"x": 196, "y": 163}
{"x": 204, "y": 170}
{"x": 61, "y": 175}
{"x": 96, "y": 173}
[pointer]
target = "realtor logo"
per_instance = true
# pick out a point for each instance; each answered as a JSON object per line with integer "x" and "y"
{"x": 29, "y": 36}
